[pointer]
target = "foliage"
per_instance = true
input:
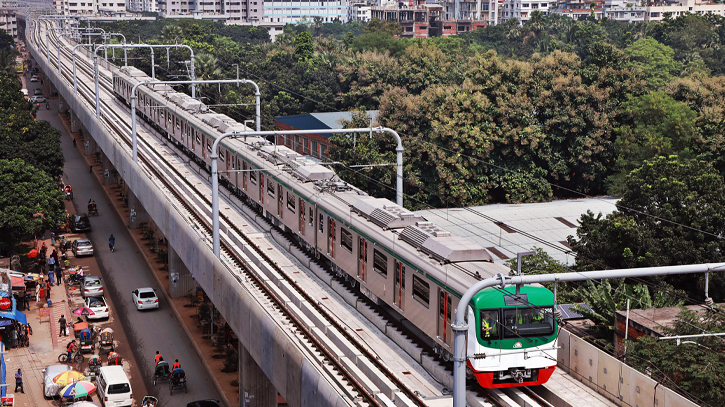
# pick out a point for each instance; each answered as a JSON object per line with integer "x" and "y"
{"x": 27, "y": 196}
{"x": 543, "y": 263}
{"x": 655, "y": 60}
{"x": 606, "y": 297}
{"x": 672, "y": 213}
{"x": 695, "y": 366}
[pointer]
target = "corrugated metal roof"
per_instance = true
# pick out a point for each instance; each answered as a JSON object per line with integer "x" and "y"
{"x": 539, "y": 222}
{"x": 312, "y": 121}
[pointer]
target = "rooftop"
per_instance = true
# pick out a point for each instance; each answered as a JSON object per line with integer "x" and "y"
{"x": 313, "y": 121}
{"x": 507, "y": 229}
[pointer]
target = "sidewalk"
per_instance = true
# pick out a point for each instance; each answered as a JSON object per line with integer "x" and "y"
{"x": 45, "y": 346}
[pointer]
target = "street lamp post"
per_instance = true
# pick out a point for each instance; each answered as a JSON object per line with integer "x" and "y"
{"x": 215, "y": 173}
{"x": 460, "y": 327}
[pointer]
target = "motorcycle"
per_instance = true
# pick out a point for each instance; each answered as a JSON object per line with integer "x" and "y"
{"x": 47, "y": 106}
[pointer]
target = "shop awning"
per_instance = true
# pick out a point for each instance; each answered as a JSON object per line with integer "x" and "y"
{"x": 18, "y": 283}
{"x": 16, "y": 315}
{"x": 5, "y": 322}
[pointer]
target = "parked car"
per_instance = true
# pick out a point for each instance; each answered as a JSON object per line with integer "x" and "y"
{"x": 145, "y": 298}
{"x": 204, "y": 403}
{"x": 91, "y": 286}
{"x": 82, "y": 247}
{"x": 34, "y": 79}
{"x": 99, "y": 306}
{"x": 36, "y": 99}
{"x": 50, "y": 389}
{"x": 79, "y": 222}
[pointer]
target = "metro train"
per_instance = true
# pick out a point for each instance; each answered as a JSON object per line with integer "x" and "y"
{"x": 371, "y": 242}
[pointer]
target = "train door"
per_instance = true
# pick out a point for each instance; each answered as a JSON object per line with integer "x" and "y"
{"x": 301, "y": 225}
{"x": 280, "y": 201}
{"x": 362, "y": 259}
{"x": 261, "y": 187}
{"x": 444, "y": 315}
{"x": 399, "y": 289}
{"x": 331, "y": 237}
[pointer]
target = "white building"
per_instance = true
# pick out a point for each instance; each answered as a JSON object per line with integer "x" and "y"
{"x": 9, "y": 23}
{"x": 142, "y": 5}
{"x": 521, "y": 9}
{"x": 359, "y": 12}
{"x": 293, "y": 12}
{"x": 486, "y": 10}
{"x": 93, "y": 7}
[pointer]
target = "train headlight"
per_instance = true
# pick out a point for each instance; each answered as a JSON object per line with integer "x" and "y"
{"x": 517, "y": 345}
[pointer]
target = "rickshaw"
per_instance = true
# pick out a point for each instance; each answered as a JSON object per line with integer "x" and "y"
{"x": 86, "y": 341}
{"x": 149, "y": 401}
{"x": 178, "y": 380}
{"x": 92, "y": 209}
{"x": 105, "y": 341}
{"x": 114, "y": 359}
{"x": 94, "y": 365}
{"x": 162, "y": 372}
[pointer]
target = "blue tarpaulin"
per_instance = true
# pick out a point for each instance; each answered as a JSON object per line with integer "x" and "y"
{"x": 5, "y": 322}
{"x": 16, "y": 315}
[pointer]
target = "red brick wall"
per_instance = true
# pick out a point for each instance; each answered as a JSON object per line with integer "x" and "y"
{"x": 300, "y": 148}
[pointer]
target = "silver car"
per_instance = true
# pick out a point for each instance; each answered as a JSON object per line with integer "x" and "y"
{"x": 82, "y": 247}
{"x": 50, "y": 389}
{"x": 91, "y": 286}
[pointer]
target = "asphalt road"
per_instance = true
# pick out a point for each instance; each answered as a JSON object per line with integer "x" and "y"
{"x": 125, "y": 270}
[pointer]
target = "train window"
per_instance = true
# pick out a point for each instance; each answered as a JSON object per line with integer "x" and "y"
{"x": 178, "y": 123}
{"x": 270, "y": 187}
{"x": 198, "y": 138}
{"x": 169, "y": 116}
{"x": 490, "y": 324}
{"x": 253, "y": 177}
{"x": 312, "y": 216}
{"x": 380, "y": 262}
{"x": 208, "y": 145}
{"x": 524, "y": 322}
{"x": 290, "y": 202}
{"x": 421, "y": 291}
{"x": 322, "y": 224}
{"x": 221, "y": 155}
{"x": 346, "y": 239}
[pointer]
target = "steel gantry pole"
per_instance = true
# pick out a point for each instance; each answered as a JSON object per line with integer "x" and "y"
{"x": 95, "y": 71}
{"x": 460, "y": 327}
{"x": 192, "y": 82}
{"x": 216, "y": 244}
{"x": 125, "y": 57}
{"x": 75, "y": 82}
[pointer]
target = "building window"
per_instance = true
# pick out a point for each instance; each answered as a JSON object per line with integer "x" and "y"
{"x": 346, "y": 239}
{"x": 421, "y": 290}
{"x": 380, "y": 262}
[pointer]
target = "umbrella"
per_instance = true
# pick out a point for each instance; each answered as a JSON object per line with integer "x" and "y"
{"x": 67, "y": 377}
{"x": 84, "y": 404}
{"x": 77, "y": 390}
{"x": 33, "y": 254}
{"x": 84, "y": 311}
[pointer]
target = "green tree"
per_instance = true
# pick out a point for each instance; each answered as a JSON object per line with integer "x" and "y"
{"x": 672, "y": 213}
{"x": 304, "y": 46}
{"x": 171, "y": 33}
{"x": 655, "y": 60}
{"x": 27, "y": 196}
{"x": 383, "y": 27}
{"x": 652, "y": 125}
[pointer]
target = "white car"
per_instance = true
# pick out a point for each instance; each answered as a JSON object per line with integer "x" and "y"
{"x": 99, "y": 307}
{"x": 50, "y": 388}
{"x": 145, "y": 298}
{"x": 34, "y": 79}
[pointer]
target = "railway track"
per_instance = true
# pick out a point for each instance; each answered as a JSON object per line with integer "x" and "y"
{"x": 118, "y": 125}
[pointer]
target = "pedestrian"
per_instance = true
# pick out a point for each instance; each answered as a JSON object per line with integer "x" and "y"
{"x": 51, "y": 278}
{"x": 90, "y": 168}
{"x": 37, "y": 292}
{"x": 52, "y": 238}
{"x": 74, "y": 142}
{"x": 42, "y": 232}
{"x": 54, "y": 255}
{"x": 19, "y": 381}
{"x": 58, "y": 274}
{"x": 26, "y": 299}
{"x": 43, "y": 249}
{"x": 62, "y": 323}
{"x": 51, "y": 263}
{"x": 47, "y": 289}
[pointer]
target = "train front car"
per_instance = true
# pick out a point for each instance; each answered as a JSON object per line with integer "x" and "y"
{"x": 513, "y": 339}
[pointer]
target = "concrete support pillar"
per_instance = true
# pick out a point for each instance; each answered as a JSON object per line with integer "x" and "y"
{"x": 181, "y": 282}
{"x": 257, "y": 390}
{"x": 90, "y": 146}
{"x": 109, "y": 171}
{"x": 137, "y": 213}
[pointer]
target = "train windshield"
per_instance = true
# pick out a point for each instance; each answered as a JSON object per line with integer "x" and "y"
{"x": 527, "y": 322}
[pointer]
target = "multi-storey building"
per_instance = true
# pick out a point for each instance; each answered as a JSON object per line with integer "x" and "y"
{"x": 9, "y": 22}
{"x": 142, "y": 5}
{"x": 479, "y": 10}
{"x": 522, "y": 9}
{"x": 293, "y": 12}
{"x": 95, "y": 7}
{"x": 359, "y": 12}
{"x": 425, "y": 20}
{"x": 577, "y": 9}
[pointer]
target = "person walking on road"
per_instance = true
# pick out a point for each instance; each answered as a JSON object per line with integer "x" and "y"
{"x": 112, "y": 242}
{"x": 58, "y": 274}
{"x": 19, "y": 381}
{"x": 47, "y": 288}
{"x": 62, "y": 323}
